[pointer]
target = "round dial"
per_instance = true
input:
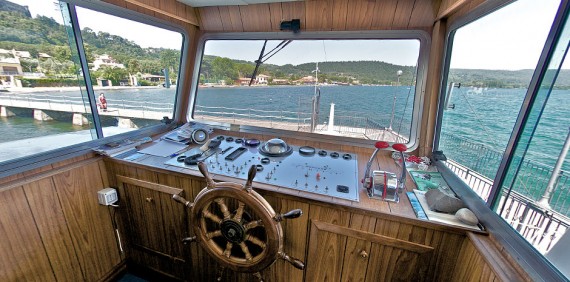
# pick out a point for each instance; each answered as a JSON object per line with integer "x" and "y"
{"x": 199, "y": 136}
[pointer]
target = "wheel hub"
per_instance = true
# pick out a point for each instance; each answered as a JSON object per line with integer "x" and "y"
{"x": 233, "y": 231}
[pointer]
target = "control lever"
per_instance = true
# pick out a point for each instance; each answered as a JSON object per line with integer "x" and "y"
{"x": 401, "y": 182}
{"x": 293, "y": 261}
{"x": 288, "y": 215}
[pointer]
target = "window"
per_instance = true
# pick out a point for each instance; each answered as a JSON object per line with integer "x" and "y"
{"x": 40, "y": 78}
{"x": 504, "y": 127}
{"x": 45, "y": 103}
{"x": 365, "y": 89}
{"x": 133, "y": 68}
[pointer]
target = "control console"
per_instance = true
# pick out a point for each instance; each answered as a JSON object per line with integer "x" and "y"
{"x": 300, "y": 168}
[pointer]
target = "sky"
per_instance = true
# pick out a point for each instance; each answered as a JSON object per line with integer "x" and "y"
{"x": 511, "y": 38}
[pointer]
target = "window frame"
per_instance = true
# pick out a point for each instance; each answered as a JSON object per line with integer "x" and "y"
{"x": 23, "y": 164}
{"x": 421, "y": 79}
{"x": 529, "y": 259}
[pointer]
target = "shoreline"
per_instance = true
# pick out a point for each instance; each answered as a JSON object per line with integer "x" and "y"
{"x": 73, "y": 88}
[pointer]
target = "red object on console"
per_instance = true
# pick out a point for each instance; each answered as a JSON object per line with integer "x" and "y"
{"x": 381, "y": 145}
{"x": 399, "y": 147}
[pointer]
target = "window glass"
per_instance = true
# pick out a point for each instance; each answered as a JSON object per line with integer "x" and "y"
{"x": 133, "y": 67}
{"x": 540, "y": 205}
{"x": 363, "y": 89}
{"x": 490, "y": 70}
{"x": 494, "y": 65}
{"x": 42, "y": 107}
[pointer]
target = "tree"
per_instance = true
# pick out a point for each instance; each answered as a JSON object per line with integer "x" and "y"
{"x": 113, "y": 74}
{"x": 170, "y": 58}
{"x": 224, "y": 69}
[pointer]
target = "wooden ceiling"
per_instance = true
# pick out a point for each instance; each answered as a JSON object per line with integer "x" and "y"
{"x": 322, "y": 15}
{"x": 315, "y": 15}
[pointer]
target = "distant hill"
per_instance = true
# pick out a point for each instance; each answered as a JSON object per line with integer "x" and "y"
{"x": 502, "y": 78}
{"x": 13, "y": 7}
{"x": 45, "y": 35}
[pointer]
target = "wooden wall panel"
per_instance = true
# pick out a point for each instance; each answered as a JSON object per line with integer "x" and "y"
{"x": 52, "y": 226}
{"x": 339, "y": 14}
{"x": 210, "y": 19}
{"x": 89, "y": 223}
{"x": 423, "y": 14}
{"x": 360, "y": 14}
{"x": 403, "y": 14}
{"x": 383, "y": 15}
{"x": 23, "y": 256}
{"x": 318, "y": 15}
{"x": 255, "y": 17}
{"x": 231, "y": 18}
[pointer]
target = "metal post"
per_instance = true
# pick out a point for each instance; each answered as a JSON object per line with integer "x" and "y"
{"x": 552, "y": 183}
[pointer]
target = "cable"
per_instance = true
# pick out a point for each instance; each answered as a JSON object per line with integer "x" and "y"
{"x": 407, "y": 100}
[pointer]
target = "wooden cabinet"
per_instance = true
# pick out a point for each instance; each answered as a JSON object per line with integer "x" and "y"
{"x": 338, "y": 253}
{"x": 155, "y": 226}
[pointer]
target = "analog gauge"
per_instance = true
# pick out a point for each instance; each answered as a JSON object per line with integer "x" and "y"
{"x": 199, "y": 136}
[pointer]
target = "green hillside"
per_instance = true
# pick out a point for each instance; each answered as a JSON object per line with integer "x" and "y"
{"x": 19, "y": 31}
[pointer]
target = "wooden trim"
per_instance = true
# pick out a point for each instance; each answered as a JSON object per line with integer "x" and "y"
{"x": 450, "y": 9}
{"x": 374, "y": 238}
{"x": 162, "y": 12}
{"x": 35, "y": 177}
{"x": 155, "y": 252}
{"x": 498, "y": 263}
{"x": 149, "y": 185}
{"x": 114, "y": 274}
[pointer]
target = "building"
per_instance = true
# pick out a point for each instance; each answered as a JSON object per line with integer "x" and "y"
{"x": 106, "y": 61}
{"x": 261, "y": 79}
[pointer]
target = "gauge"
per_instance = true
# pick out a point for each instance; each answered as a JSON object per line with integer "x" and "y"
{"x": 199, "y": 136}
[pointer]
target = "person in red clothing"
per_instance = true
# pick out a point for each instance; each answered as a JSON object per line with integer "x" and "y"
{"x": 102, "y": 102}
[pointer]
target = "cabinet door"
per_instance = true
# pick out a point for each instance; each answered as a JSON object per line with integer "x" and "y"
{"x": 342, "y": 254}
{"x": 156, "y": 222}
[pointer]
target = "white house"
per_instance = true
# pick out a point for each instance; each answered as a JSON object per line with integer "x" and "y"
{"x": 106, "y": 61}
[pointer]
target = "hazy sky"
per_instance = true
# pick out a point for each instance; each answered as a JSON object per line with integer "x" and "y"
{"x": 511, "y": 38}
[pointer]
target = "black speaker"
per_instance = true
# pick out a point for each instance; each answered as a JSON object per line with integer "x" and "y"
{"x": 292, "y": 25}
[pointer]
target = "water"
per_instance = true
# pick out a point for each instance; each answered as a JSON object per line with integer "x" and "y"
{"x": 486, "y": 118}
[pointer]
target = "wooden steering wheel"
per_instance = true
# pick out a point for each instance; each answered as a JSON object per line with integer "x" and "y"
{"x": 236, "y": 226}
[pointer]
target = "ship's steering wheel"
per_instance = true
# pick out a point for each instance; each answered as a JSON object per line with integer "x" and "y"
{"x": 237, "y": 226}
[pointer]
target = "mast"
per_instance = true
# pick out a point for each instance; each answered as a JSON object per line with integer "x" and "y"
{"x": 316, "y": 101}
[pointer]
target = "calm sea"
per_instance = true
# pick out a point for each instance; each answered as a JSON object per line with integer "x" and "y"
{"x": 486, "y": 118}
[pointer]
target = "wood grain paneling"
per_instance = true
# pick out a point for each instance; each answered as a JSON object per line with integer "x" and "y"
{"x": 52, "y": 226}
{"x": 231, "y": 18}
{"x": 318, "y": 7}
{"x": 211, "y": 20}
{"x": 89, "y": 223}
{"x": 255, "y": 17}
{"x": 23, "y": 256}
{"x": 360, "y": 14}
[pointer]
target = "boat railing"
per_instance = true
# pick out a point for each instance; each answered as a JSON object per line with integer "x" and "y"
{"x": 54, "y": 99}
{"x": 540, "y": 226}
{"x": 532, "y": 179}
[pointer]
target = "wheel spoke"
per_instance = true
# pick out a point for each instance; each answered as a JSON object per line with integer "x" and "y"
{"x": 255, "y": 241}
{"x": 211, "y": 216}
{"x": 245, "y": 250}
{"x": 253, "y": 224}
{"x": 239, "y": 212}
{"x": 223, "y": 207}
{"x": 216, "y": 233}
{"x": 228, "y": 251}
